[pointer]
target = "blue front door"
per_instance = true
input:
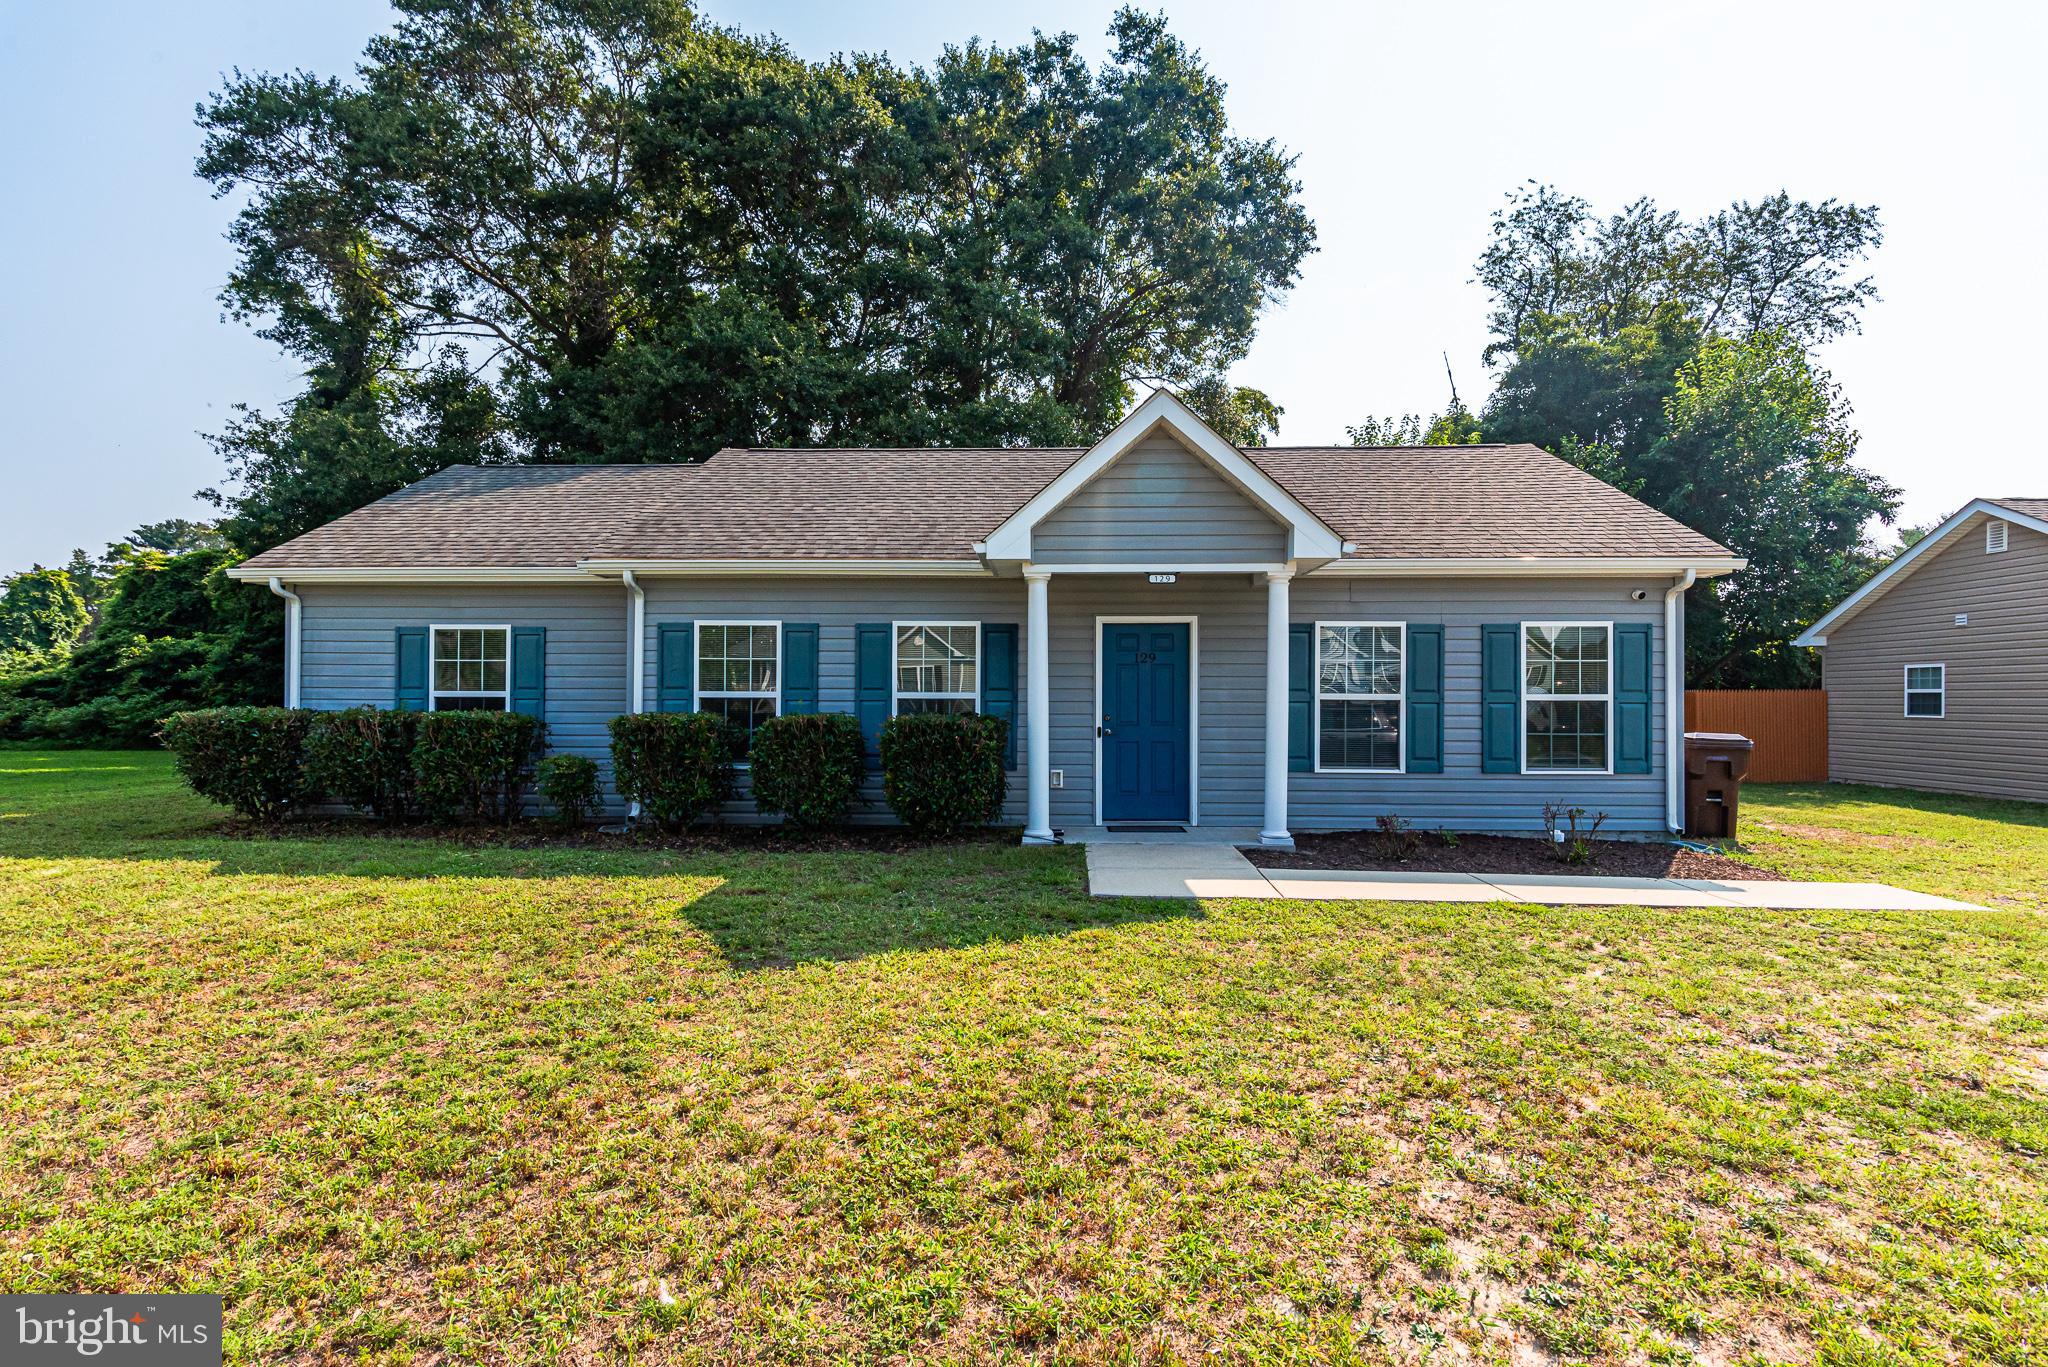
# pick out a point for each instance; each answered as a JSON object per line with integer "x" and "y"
{"x": 1145, "y": 721}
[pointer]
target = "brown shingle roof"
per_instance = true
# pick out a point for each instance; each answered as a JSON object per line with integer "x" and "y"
{"x": 933, "y": 504}
{"x": 2031, "y": 507}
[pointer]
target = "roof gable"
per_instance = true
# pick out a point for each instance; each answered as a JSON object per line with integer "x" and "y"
{"x": 2031, "y": 513}
{"x": 1308, "y": 537}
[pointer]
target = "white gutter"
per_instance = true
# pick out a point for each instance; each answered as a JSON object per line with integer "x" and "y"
{"x": 1674, "y": 704}
{"x": 1521, "y": 565}
{"x": 292, "y": 609}
{"x": 636, "y": 662}
{"x": 636, "y": 645}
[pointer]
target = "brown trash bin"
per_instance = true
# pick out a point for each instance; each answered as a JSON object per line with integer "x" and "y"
{"x": 1715, "y": 762}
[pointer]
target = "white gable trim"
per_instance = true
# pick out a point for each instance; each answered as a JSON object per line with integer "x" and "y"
{"x": 1878, "y": 584}
{"x": 1308, "y": 538}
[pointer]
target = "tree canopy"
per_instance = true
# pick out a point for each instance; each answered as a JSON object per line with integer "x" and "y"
{"x": 605, "y": 230}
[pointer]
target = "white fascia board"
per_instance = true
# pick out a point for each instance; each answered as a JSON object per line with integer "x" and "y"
{"x": 1467, "y": 567}
{"x": 1880, "y": 583}
{"x": 415, "y": 574}
{"x": 730, "y": 568}
{"x": 1308, "y": 537}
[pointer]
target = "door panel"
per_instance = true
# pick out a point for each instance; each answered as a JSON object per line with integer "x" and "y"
{"x": 1145, "y": 721}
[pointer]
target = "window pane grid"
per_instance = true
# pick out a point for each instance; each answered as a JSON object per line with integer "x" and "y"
{"x": 937, "y": 667}
{"x": 1565, "y": 685}
{"x": 470, "y": 667}
{"x": 1926, "y": 690}
{"x": 1359, "y": 695}
{"x": 737, "y": 660}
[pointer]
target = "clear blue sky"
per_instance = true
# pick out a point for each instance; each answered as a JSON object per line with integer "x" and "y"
{"x": 1411, "y": 121}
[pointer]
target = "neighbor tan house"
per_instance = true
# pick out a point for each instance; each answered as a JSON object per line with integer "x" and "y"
{"x": 1937, "y": 669}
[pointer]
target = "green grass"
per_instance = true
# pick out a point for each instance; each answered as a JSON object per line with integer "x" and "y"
{"x": 403, "y": 1102}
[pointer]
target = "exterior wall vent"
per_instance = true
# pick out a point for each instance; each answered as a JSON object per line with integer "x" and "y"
{"x": 1994, "y": 536}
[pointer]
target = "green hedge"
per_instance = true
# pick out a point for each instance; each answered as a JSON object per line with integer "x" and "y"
{"x": 474, "y": 765}
{"x": 676, "y": 765}
{"x": 362, "y": 757}
{"x": 249, "y": 758}
{"x": 943, "y": 773}
{"x": 568, "y": 783}
{"x": 808, "y": 767}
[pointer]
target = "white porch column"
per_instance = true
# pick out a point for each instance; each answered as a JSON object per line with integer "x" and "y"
{"x": 1275, "y": 831}
{"x": 1037, "y": 712}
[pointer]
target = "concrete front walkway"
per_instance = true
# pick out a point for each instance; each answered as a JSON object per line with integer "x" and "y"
{"x": 1218, "y": 870}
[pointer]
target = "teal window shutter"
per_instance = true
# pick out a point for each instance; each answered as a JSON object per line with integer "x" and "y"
{"x": 1301, "y": 698}
{"x": 411, "y": 694}
{"x": 1634, "y": 688}
{"x": 675, "y": 670}
{"x": 871, "y": 694}
{"x": 1425, "y": 703}
{"x": 529, "y": 670}
{"x": 999, "y": 680}
{"x": 799, "y": 667}
{"x": 1500, "y": 699}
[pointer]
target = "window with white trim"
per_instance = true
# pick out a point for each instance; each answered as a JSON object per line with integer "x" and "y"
{"x": 936, "y": 667}
{"x": 1926, "y": 690}
{"x": 469, "y": 669}
{"x": 739, "y": 675}
{"x": 1360, "y": 670}
{"x": 1567, "y": 696}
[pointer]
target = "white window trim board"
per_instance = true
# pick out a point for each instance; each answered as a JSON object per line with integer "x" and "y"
{"x": 1522, "y": 692}
{"x": 896, "y": 697}
{"x": 1399, "y": 699}
{"x": 1194, "y": 625}
{"x": 1907, "y": 692}
{"x": 434, "y": 695}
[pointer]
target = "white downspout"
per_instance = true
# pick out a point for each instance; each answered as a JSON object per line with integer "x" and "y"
{"x": 636, "y": 661}
{"x": 1674, "y": 704}
{"x": 292, "y": 608}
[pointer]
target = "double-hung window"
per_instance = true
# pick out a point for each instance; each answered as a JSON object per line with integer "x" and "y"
{"x": 470, "y": 669}
{"x": 1359, "y": 677}
{"x": 1926, "y": 690}
{"x": 1567, "y": 696}
{"x": 739, "y": 675}
{"x": 937, "y": 667}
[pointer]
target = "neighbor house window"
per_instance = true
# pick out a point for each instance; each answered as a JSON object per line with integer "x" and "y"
{"x": 470, "y": 669}
{"x": 1567, "y": 695}
{"x": 1926, "y": 690}
{"x": 739, "y": 674}
{"x": 1358, "y": 695}
{"x": 937, "y": 667}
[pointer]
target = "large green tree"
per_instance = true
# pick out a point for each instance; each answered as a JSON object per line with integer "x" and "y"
{"x": 659, "y": 237}
{"x": 1672, "y": 358}
{"x": 40, "y": 614}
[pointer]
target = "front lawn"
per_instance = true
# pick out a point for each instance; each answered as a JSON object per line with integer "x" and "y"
{"x": 406, "y": 1102}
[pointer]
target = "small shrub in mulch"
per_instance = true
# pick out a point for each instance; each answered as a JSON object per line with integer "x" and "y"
{"x": 942, "y": 773}
{"x": 676, "y": 765}
{"x": 474, "y": 765}
{"x": 808, "y": 768}
{"x": 568, "y": 784}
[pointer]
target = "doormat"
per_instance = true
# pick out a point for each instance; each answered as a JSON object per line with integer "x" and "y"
{"x": 1148, "y": 830}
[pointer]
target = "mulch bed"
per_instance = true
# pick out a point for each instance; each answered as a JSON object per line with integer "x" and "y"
{"x": 538, "y": 835}
{"x": 1486, "y": 854}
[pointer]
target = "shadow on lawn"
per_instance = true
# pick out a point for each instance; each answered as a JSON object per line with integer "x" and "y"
{"x": 761, "y": 908}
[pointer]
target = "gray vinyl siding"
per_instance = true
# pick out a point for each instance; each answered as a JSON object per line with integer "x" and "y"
{"x": 349, "y": 660}
{"x": 1158, "y": 504}
{"x": 838, "y": 606}
{"x": 1993, "y": 740}
{"x": 349, "y": 648}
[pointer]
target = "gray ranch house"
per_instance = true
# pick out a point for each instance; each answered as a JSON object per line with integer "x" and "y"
{"x": 1182, "y": 632}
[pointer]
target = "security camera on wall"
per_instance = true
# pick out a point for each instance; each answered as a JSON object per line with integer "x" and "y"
{"x": 1638, "y": 595}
